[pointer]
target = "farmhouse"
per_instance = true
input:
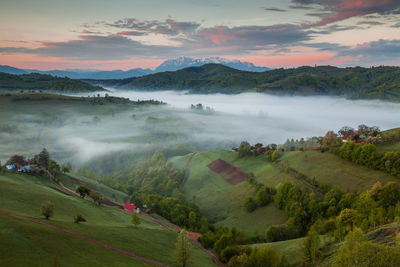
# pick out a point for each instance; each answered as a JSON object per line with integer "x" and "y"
{"x": 129, "y": 206}
{"x": 26, "y": 169}
{"x": 10, "y": 167}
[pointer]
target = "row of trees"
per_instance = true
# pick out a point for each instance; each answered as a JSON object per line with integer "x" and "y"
{"x": 292, "y": 144}
{"x": 178, "y": 211}
{"x": 367, "y": 155}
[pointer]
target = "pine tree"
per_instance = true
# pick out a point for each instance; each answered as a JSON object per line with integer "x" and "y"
{"x": 135, "y": 220}
{"x": 44, "y": 158}
{"x": 183, "y": 248}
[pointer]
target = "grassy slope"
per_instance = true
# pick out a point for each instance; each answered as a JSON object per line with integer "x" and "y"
{"x": 222, "y": 202}
{"x": 292, "y": 249}
{"x": 330, "y": 169}
{"x": 23, "y": 195}
{"x": 390, "y": 146}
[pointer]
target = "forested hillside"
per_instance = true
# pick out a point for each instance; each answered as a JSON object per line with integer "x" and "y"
{"x": 35, "y": 81}
{"x": 356, "y": 82}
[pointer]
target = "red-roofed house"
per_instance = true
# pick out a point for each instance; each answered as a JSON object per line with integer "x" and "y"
{"x": 129, "y": 207}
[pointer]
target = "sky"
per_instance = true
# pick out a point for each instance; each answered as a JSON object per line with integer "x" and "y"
{"x": 126, "y": 34}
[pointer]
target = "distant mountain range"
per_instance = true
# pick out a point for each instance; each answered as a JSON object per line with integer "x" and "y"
{"x": 168, "y": 65}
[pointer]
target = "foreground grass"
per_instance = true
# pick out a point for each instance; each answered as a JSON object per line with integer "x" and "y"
{"x": 22, "y": 242}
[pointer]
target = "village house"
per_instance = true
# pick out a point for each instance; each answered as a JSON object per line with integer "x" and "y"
{"x": 131, "y": 207}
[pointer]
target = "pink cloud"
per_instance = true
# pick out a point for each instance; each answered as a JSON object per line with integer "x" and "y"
{"x": 219, "y": 34}
{"x": 344, "y": 9}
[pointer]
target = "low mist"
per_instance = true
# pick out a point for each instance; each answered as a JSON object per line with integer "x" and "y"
{"x": 276, "y": 117}
{"x": 111, "y": 137}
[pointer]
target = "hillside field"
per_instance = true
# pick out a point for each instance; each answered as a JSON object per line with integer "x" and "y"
{"x": 22, "y": 243}
{"x": 222, "y": 202}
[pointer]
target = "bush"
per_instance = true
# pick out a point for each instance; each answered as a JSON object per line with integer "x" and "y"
{"x": 47, "y": 209}
{"x": 263, "y": 198}
{"x": 83, "y": 191}
{"x": 249, "y": 204}
{"x": 79, "y": 218}
{"x": 279, "y": 233}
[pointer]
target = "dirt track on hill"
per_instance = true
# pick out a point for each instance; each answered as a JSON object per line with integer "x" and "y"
{"x": 84, "y": 238}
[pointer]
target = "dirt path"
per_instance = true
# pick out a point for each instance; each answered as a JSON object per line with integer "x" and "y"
{"x": 69, "y": 190}
{"x": 187, "y": 172}
{"x": 85, "y": 238}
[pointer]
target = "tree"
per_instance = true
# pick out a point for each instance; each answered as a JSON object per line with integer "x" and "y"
{"x": 96, "y": 197}
{"x": 389, "y": 194}
{"x": 249, "y": 204}
{"x": 204, "y": 225}
{"x": 244, "y": 149}
{"x": 47, "y": 209}
{"x": 238, "y": 261}
{"x": 356, "y": 251}
{"x": 346, "y": 131}
{"x": 274, "y": 156}
{"x": 330, "y": 138}
{"x": 183, "y": 248}
{"x": 311, "y": 247}
{"x": 79, "y": 218}
{"x": 65, "y": 169}
{"x": 263, "y": 257}
{"x": 135, "y": 220}
{"x": 192, "y": 220}
{"x": 366, "y": 131}
{"x": 83, "y": 191}
{"x": 54, "y": 168}
{"x": 17, "y": 159}
{"x": 348, "y": 218}
{"x": 43, "y": 158}
{"x": 344, "y": 256}
{"x": 262, "y": 197}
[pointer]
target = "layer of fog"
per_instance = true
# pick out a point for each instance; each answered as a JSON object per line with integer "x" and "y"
{"x": 74, "y": 135}
{"x": 275, "y": 118}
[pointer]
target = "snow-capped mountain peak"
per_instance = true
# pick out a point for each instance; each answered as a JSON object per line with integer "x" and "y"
{"x": 184, "y": 62}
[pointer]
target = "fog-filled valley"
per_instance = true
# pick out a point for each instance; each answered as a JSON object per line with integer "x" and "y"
{"x": 107, "y": 138}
